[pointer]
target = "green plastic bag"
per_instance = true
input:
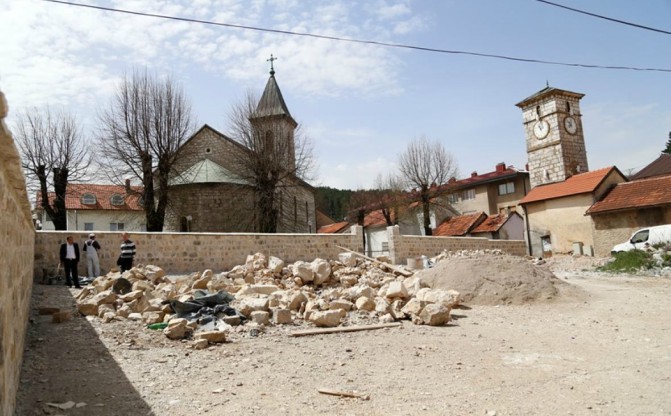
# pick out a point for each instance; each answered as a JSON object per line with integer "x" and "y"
{"x": 157, "y": 326}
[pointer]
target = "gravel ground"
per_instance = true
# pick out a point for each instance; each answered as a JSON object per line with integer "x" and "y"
{"x": 607, "y": 352}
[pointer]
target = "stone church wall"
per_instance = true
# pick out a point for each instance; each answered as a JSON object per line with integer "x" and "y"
{"x": 16, "y": 265}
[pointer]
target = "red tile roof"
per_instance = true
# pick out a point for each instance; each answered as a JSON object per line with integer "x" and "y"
{"x": 491, "y": 224}
{"x": 658, "y": 167}
{"x": 334, "y": 228}
{"x": 375, "y": 219}
{"x": 644, "y": 193}
{"x": 581, "y": 183}
{"x": 458, "y": 226}
{"x": 497, "y": 175}
{"x": 103, "y": 194}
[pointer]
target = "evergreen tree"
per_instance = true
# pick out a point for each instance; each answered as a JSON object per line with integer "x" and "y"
{"x": 668, "y": 146}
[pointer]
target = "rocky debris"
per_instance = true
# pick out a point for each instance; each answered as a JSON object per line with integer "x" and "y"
{"x": 265, "y": 292}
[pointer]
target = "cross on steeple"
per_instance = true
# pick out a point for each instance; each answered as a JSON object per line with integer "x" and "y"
{"x": 272, "y": 58}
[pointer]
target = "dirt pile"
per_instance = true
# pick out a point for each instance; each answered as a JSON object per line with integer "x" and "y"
{"x": 494, "y": 278}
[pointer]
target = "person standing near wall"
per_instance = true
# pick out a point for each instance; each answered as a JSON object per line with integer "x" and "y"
{"x": 91, "y": 247}
{"x": 69, "y": 256}
{"x": 127, "y": 253}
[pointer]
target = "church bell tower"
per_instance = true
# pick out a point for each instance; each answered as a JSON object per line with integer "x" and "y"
{"x": 554, "y": 135}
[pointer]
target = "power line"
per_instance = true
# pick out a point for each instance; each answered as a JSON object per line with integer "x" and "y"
{"x": 604, "y": 17}
{"x": 360, "y": 41}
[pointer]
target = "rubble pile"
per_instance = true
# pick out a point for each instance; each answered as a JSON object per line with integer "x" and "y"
{"x": 266, "y": 292}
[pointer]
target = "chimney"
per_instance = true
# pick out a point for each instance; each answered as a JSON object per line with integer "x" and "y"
{"x": 526, "y": 167}
{"x": 500, "y": 167}
{"x": 452, "y": 180}
{"x": 127, "y": 186}
{"x": 474, "y": 174}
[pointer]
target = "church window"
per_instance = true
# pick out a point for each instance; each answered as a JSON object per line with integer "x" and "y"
{"x": 538, "y": 112}
{"x": 89, "y": 199}
{"x": 307, "y": 217}
{"x": 117, "y": 199}
{"x": 295, "y": 210}
{"x": 568, "y": 107}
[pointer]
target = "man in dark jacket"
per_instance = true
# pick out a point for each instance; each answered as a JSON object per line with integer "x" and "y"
{"x": 69, "y": 258}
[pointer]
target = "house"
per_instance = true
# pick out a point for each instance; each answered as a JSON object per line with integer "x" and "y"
{"x": 658, "y": 167}
{"x": 492, "y": 192}
{"x": 555, "y": 213}
{"x": 95, "y": 207}
{"x": 335, "y": 228}
{"x": 628, "y": 207}
{"x": 459, "y": 226}
{"x": 211, "y": 191}
{"x": 501, "y": 227}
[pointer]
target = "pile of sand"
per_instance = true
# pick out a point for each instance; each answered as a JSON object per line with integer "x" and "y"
{"x": 488, "y": 279}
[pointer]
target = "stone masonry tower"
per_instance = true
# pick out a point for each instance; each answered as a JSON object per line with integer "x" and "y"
{"x": 554, "y": 135}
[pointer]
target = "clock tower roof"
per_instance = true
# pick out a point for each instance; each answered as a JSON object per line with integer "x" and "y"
{"x": 548, "y": 92}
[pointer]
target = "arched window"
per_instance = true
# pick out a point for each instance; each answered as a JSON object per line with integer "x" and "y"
{"x": 117, "y": 199}
{"x": 89, "y": 199}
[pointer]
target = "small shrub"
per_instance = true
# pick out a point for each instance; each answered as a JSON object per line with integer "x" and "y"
{"x": 629, "y": 261}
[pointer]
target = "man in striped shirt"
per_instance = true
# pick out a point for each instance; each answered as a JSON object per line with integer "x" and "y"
{"x": 127, "y": 253}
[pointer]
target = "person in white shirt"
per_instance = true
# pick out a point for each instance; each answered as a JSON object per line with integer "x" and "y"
{"x": 91, "y": 247}
{"x": 69, "y": 256}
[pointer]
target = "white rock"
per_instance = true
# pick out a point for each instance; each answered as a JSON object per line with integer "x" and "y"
{"x": 435, "y": 314}
{"x": 325, "y": 318}
{"x": 343, "y": 304}
{"x": 260, "y": 317}
{"x": 322, "y": 271}
{"x": 303, "y": 270}
{"x": 275, "y": 264}
{"x": 282, "y": 316}
{"x": 347, "y": 259}
{"x": 448, "y": 298}
{"x": 365, "y": 304}
{"x": 397, "y": 290}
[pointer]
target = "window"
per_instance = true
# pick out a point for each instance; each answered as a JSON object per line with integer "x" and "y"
{"x": 89, "y": 199}
{"x": 116, "y": 226}
{"x": 117, "y": 199}
{"x": 88, "y": 226}
{"x": 507, "y": 188}
{"x": 640, "y": 237}
{"x": 385, "y": 246}
{"x": 453, "y": 198}
{"x": 295, "y": 210}
{"x": 469, "y": 194}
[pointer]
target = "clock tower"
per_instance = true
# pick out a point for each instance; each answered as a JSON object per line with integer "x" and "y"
{"x": 554, "y": 135}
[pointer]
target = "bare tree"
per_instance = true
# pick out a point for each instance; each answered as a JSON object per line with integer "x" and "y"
{"x": 53, "y": 153}
{"x": 275, "y": 158}
{"x": 140, "y": 133}
{"x": 423, "y": 166}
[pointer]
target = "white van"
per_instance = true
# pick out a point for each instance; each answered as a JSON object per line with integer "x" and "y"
{"x": 646, "y": 237}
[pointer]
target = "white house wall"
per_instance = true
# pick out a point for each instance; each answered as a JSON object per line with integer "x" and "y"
{"x": 101, "y": 219}
{"x": 375, "y": 237}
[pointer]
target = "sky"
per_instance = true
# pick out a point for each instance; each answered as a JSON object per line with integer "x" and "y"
{"x": 362, "y": 104}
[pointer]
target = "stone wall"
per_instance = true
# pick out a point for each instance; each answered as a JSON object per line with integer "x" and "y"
{"x": 16, "y": 265}
{"x": 403, "y": 247}
{"x": 181, "y": 253}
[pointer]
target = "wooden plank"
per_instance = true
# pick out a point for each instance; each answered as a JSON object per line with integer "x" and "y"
{"x": 398, "y": 270}
{"x": 342, "y": 329}
{"x": 342, "y": 393}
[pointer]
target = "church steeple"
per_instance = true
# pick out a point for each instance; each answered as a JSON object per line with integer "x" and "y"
{"x": 272, "y": 103}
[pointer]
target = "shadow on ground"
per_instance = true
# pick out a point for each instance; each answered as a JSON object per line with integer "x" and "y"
{"x": 67, "y": 362}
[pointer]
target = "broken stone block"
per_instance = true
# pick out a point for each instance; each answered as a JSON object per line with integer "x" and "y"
{"x": 256, "y": 261}
{"x": 108, "y": 317}
{"x": 381, "y": 305}
{"x": 234, "y": 320}
{"x": 275, "y": 264}
{"x": 61, "y": 316}
{"x": 177, "y": 329}
{"x": 87, "y": 308}
{"x": 103, "y": 309}
{"x": 248, "y": 305}
{"x": 247, "y": 290}
{"x": 341, "y": 304}
{"x": 200, "y": 344}
{"x": 397, "y": 290}
{"x": 395, "y": 309}
{"x": 413, "y": 307}
{"x": 142, "y": 285}
{"x": 448, "y": 298}
{"x": 303, "y": 270}
{"x": 325, "y": 318}
{"x": 152, "y": 317}
{"x": 135, "y": 316}
{"x": 131, "y": 296}
{"x": 213, "y": 337}
{"x": 282, "y": 316}
{"x": 347, "y": 259}
{"x": 153, "y": 273}
{"x": 435, "y": 314}
{"x": 322, "y": 271}
{"x": 124, "y": 311}
{"x": 86, "y": 292}
{"x": 365, "y": 304}
{"x": 349, "y": 280}
{"x": 387, "y": 319}
{"x": 105, "y": 297}
{"x": 139, "y": 305}
{"x": 260, "y": 317}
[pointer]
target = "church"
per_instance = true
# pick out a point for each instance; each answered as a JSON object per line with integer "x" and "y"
{"x": 217, "y": 184}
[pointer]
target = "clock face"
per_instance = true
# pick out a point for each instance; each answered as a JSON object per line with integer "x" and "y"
{"x": 570, "y": 125}
{"x": 541, "y": 129}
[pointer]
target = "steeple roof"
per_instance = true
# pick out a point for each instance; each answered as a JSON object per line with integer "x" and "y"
{"x": 546, "y": 92}
{"x": 271, "y": 102}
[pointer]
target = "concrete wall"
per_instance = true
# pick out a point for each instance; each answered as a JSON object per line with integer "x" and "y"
{"x": 16, "y": 265}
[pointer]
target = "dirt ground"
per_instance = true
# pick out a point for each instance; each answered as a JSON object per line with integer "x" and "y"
{"x": 606, "y": 351}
